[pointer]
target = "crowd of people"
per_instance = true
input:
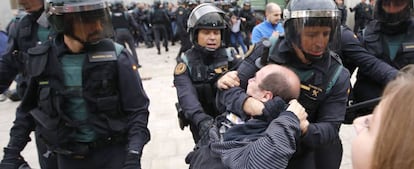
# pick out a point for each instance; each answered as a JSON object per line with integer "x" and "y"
{"x": 279, "y": 103}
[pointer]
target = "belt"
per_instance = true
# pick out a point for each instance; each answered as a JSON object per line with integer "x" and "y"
{"x": 79, "y": 150}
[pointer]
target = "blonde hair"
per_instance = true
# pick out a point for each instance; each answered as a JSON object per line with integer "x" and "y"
{"x": 394, "y": 148}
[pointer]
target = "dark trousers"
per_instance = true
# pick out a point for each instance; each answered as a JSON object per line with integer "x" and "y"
{"x": 359, "y": 25}
{"x": 146, "y": 34}
{"x": 329, "y": 156}
{"x": 122, "y": 36}
{"x": 160, "y": 31}
{"x": 107, "y": 157}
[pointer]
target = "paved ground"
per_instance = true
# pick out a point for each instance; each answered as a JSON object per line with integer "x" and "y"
{"x": 169, "y": 145}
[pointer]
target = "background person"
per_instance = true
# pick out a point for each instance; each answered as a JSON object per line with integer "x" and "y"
{"x": 271, "y": 26}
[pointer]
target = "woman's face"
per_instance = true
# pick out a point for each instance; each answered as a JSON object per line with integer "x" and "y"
{"x": 209, "y": 38}
{"x": 315, "y": 39}
{"x": 367, "y": 129}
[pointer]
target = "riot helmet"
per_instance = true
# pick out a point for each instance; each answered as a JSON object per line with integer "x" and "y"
{"x": 192, "y": 4}
{"x": 246, "y": 3}
{"x": 394, "y": 15}
{"x": 87, "y": 21}
{"x": 117, "y": 6}
{"x": 207, "y": 16}
{"x": 157, "y": 3}
{"x": 312, "y": 26}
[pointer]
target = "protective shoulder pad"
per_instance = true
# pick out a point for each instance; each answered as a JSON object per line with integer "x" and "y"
{"x": 37, "y": 59}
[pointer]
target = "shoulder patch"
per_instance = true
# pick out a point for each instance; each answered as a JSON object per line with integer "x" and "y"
{"x": 249, "y": 52}
{"x": 180, "y": 69}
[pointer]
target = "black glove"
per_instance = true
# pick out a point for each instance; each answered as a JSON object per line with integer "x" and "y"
{"x": 203, "y": 131}
{"x": 13, "y": 160}
{"x": 132, "y": 161}
{"x": 272, "y": 109}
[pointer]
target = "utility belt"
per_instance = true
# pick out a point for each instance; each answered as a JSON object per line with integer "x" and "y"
{"x": 80, "y": 150}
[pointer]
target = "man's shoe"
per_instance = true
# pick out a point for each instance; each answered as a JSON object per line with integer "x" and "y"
{"x": 159, "y": 52}
{"x": 166, "y": 49}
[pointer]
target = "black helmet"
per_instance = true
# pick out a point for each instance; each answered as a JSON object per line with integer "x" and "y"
{"x": 63, "y": 14}
{"x": 393, "y": 22}
{"x": 246, "y": 3}
{"x": 117, "y": 5}
{"x": 304, "y": 13}
{"x": 206, "y": 16}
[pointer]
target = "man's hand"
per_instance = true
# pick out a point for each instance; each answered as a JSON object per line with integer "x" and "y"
{"x": 275, "y": 34}
{"x": 300, "y": 112}
{"x": 13, "y": 160}
{"x": 228, "y": 80}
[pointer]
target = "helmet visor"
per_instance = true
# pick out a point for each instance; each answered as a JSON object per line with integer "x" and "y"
{"x": 89, "y": 26}
{"x": 314, "y": 31}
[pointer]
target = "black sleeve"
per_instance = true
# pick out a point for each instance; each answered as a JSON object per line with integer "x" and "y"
{"x": 368, "y": 64}
{"x": 134, "y": 102}
{"x": 10, "y": 63}
{"x": 188, "y": 98}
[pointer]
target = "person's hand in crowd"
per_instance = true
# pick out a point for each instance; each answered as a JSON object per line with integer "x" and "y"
{"x": 275, "y": 34}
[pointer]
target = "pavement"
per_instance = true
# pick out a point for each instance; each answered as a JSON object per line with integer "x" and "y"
{"x": 169, "y": 145}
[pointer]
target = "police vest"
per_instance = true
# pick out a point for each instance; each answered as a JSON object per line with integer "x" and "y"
{"x": 205, "y": 75}
{"x": 315, "y": 86}
{"x": 99, "y": 90}
{"x": 374, "y": 43}
{"x": 120, "y": 20}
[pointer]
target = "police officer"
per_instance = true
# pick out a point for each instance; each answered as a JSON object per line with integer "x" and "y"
{"x": 196, "y": 73}
{"x": 123, "y": 23}
{"x": 312, "y": 29}
{"x": 85, "y": 95}
{"x": 31, "y": 29}
{"x": 159, "y": 18}
{"x": 142, "y": 16}
{"x": 362, "y": 15}
{"x": 389, "y": 37}
{"x": 248, "y": 13}
{"x": 182, "y": 14}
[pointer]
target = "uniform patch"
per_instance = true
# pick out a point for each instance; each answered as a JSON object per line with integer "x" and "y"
{"x": 180, "y": 69}
{"x": 221, "y": 69}
{"x": 249, "y": 52}
{"x": 180, "y": 12}
{"x": 102, "y": 56}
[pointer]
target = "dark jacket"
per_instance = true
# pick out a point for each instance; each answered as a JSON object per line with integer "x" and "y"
{"x": 196, "y": 86}
{"x": 378, "y": 44}
{"x": 115, "y": 100}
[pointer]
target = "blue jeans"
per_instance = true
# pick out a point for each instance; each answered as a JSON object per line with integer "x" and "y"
{"x": 237, "y": 39}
